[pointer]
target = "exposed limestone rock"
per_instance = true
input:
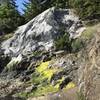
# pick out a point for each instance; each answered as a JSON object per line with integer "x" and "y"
{"x": 40, "y": 32}
{"x": 15, "y": 61}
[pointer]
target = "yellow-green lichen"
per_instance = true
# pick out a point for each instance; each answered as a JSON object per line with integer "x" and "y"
{"x": 45, "y": 71}
{"x": 70, "y": 85}
{"x": 42, "y": 77}
{"x": 43, "y": 66}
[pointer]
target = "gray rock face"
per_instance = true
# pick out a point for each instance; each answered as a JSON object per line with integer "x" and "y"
{"x": 40, "y": 32}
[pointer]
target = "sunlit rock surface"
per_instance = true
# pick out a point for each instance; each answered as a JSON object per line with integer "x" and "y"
{"x": 40, "y": 32}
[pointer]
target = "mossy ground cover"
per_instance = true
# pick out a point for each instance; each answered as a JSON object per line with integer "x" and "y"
{"x": 42, "y": 77}
{"x": 45, "y": 71}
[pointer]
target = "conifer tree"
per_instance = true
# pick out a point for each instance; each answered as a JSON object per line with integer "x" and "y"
{"x": 32, "y": 9}
{"x": 35, "y": 7}
{"x": 10, "y": 18}
{"x": 86, "y": 9}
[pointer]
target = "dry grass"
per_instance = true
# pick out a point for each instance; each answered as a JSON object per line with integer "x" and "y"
{"x": 91, "y": 79}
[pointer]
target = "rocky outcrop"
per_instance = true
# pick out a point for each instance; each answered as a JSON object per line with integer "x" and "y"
{"x": 34, "y": 41}
{"x": 39, "y": 34}
{"x": 30, "y": 63}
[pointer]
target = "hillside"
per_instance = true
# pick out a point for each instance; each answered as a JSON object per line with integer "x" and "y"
{"x": 55, "y": 56}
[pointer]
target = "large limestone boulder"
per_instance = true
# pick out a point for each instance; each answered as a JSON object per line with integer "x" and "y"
{"x": 40, "y": 32}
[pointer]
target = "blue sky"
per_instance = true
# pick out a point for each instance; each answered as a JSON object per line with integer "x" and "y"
{"x": 20, "y": 5}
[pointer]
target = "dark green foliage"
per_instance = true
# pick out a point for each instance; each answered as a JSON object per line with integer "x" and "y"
{"x": 35, "y": 7}
{"x": 10, "y": 18}
{"x": 66, "y": 43}
{"x": 32, "y": 9}
{"x": 76, "y": 45}
{"x": 86, "y": 9}
{"x": 59, "y": 3}
{"x": 63, "y": 42}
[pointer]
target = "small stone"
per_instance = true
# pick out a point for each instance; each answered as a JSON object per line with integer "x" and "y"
{"x": 31, "y": 88}
{"x": 24, "y": 78}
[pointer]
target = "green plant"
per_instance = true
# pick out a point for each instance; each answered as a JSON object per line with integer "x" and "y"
{"x": 63, "y": 42}
{"x": 35, "y": 7}
{"x": 10, "y": 18}
{"x": 86, "y": 9}
{"x": 37, "y": 53}
{"x": 76, "y": 45}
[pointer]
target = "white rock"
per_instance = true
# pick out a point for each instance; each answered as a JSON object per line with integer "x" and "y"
{"x": 14, "y": 61}
{"x": 42, "y": 31}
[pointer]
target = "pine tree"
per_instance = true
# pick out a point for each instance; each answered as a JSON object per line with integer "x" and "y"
{"x": 59, "y": 3}
{"x": 86, "y": 9}
{"x": 32, "y": 9}
{"x": 10, "y": 18}
{"x": 35, "y": 7}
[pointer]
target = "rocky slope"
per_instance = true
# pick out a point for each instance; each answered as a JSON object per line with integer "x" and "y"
{"x": 32, "y": 69}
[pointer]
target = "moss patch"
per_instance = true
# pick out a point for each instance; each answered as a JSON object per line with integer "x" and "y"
{"x": 45, "y": 71}
{"x": 41, "y": 78}
{"x": 43, "y": 66}
{"x": 70, "y": 85}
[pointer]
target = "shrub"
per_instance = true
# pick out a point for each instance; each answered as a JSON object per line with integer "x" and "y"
{"x": 86, "y": 9}
{"x": 63, "y": 42}
{"x": 66, "y": 43}
{"x": 76, "y": 45}
{"x": 10, "y": 18}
